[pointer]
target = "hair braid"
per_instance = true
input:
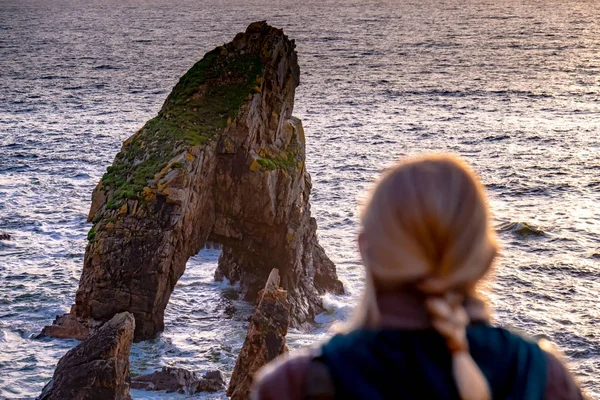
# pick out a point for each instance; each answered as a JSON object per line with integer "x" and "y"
{"x": 449, "y": 318}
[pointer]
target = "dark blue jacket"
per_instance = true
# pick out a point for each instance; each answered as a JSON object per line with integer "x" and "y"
{"x": 397, "y": 364}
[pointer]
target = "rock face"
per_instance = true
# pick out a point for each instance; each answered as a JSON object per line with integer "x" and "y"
{"x": 97, "y": 368}
{"x": 223, "y": 162}
{"x": 265, "y": 339}
{"x": 179, "y": 380}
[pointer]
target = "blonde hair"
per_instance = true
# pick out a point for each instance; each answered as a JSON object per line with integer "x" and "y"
{"x": 426, "y": 226}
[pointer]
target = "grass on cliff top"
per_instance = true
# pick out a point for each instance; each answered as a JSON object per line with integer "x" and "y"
{"x": 197, "y": 109}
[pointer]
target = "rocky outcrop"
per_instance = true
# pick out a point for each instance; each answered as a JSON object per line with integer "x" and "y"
{"x": 69, "y": 326}
{"x": 97, "y": 368}
{"x": 265, "y": 339}
{"x": 4, "y": 236}
{"x": 223, "y": 162}
{"x": 179, "y": 380}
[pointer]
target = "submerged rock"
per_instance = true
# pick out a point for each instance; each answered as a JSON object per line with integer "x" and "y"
{"x": 97, "y": 368}
{"x": 222, "y": 162}
{"x": 4, "y": 236}
{"x": 522, "y": 229}
{"x": 179, "y": 380}
{"x": 265, "y": 339}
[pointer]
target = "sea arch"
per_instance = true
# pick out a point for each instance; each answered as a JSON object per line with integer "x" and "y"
{"x": 222, "y": 162}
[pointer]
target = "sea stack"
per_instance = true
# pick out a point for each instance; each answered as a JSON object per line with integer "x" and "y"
{"x": 98, "y": 367}
{"x": 222, "y": 162}
{"x": 265, "y": 339}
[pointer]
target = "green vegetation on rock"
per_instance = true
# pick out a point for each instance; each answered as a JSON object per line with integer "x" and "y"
{"x": 285, "y": 160}
{"x": 112, "y": 204}
{"x": 197, "y": 109}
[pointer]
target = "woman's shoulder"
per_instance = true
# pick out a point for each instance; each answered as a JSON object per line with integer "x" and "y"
{"x": 297, "y": 377}
{"x": 538, "y": 356}
{"x": 282, "y": 378}
{"x": 561, "y": 384}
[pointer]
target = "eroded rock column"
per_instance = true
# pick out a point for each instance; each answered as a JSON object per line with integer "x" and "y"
{"x": 97, "y": 368}
{"x": 265, "y": 339}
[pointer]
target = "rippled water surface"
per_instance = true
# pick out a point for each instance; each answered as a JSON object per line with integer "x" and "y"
{"x": 512, "y": 86}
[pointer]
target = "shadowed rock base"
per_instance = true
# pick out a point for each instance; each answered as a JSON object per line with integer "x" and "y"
{"x": 222, "y": 162}
{"x": 265, "y": 339}
{"x": 69, "y": 326}
{"x": 97, "y": 368}
{"x": 179, "y": 380}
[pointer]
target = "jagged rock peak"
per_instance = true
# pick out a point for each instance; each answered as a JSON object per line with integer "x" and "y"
{"x": 97, "y": 368}
{"x": 265, "y": 339}
{"x": 222, "y": 162}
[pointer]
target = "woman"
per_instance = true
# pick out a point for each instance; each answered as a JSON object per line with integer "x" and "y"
{"x": 421, "y": 330}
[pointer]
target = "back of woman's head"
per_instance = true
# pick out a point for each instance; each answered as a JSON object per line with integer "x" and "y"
{"x": 427, "y": 222}
{"x": 426, "y": 227}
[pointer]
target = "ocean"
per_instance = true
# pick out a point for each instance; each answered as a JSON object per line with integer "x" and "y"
{"x": 512, "y": 86}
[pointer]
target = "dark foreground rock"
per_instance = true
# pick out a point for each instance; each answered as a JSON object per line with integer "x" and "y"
{"x": 4, "y": 236}
{"x": 222, "y": 162}
{"x": 179, "y": 380}
{"x": 97, "y": 368}
{"x": 265, "y": 339}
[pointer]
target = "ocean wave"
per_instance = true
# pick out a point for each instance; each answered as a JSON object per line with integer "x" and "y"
{"x": 522, "y": 229}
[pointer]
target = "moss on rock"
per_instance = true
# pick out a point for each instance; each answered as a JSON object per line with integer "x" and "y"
{"x": 283, "y": 160}
{"x": 91, "y": 234}
{"x": 197, "y": 109}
